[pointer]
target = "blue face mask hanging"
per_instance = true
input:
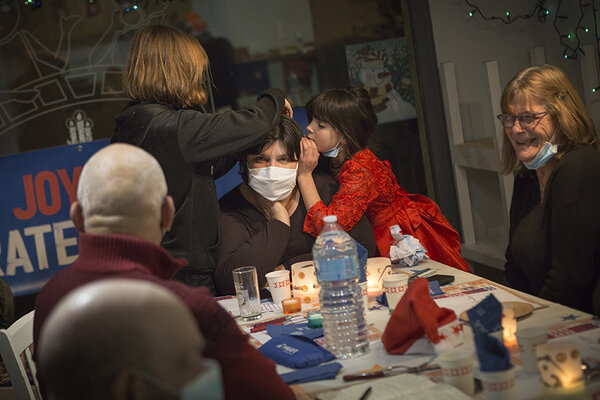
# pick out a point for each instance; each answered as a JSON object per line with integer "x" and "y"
{"x": 332, "y": 153}
{"x": 543, "y": 156}
{"x": 208, "y": 385}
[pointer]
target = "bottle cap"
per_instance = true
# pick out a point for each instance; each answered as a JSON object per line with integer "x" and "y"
{"x": 330, "y": 218}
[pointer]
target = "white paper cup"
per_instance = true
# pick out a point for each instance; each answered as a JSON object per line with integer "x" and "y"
{"x": 394, "y": 286}
{"x": 528, "y": 340}
{"x": 499, "y": 385}
{"x": 279, "y": 285}
{"x": 457, "y": 369}
{"x": 365, "y": 294}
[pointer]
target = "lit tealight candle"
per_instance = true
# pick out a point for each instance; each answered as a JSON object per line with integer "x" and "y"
{"x": 509, "y": 326}
{"x": 291, "y": 305}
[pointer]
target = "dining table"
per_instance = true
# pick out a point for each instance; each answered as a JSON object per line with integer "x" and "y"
{"x": 465, "y": 291}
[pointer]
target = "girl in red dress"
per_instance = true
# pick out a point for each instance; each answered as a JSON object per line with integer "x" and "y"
{"x": 341, "y": 121}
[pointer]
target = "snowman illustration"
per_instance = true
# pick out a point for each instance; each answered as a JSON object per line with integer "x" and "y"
{"x": 377, "y": 80}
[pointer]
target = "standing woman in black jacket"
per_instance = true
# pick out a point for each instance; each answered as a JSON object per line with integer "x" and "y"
{"x": 165, "y": 76}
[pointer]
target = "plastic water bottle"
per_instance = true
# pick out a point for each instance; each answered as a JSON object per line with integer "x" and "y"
{"x": 342, "y": 307}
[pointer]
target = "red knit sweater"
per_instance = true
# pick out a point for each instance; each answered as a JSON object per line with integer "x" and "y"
{"x": 246, "y": 373}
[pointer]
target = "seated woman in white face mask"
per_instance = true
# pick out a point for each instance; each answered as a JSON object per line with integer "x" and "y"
{"x": 262, "y": 219}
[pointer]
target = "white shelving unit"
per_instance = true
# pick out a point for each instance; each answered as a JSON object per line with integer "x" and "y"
{"x": 486, "y": 245}
{"x": 483, "y": 155}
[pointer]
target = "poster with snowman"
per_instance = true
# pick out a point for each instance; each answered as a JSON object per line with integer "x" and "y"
{"x": 382, "y": 67}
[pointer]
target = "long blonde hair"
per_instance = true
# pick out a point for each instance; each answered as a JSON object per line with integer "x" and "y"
{"x": 167, "y": 66}
{"x": 550, "y": 86}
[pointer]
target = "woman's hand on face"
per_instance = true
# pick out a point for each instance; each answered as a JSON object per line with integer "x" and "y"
{"x": 309, "y": 156}
{"x": 270, "y": 209}
{"x": 287, "y": 109}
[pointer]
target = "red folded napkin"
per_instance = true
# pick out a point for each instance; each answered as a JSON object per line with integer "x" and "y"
{"x": 419, "y": 326}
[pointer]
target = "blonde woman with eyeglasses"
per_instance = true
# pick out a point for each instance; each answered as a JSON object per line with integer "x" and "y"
{"x": 552, "y": 145}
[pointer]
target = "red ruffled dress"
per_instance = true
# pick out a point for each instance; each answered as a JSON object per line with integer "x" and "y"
{"x": 368, "y": 186}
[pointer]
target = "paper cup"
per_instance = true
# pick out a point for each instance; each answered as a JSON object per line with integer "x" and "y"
{"x": 395, "y": 286}
{"x": 365, "y": 294}
{"x": 499, "y": 385}
{"x": 528, "y": 340}
{"x": 279, "y": 285}
{"x": 305, "y": 285}
{"x": 457, "y": 369}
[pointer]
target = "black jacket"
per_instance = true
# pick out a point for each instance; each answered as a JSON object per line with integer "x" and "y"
{"x": 193, "y": 148}
{"x": 558, "y": 258}
{"x": 252, "y": 240}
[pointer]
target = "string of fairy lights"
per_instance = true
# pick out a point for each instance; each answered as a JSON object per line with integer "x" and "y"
{"x": 126, "y": 5}
{"x": 570, "y": 40}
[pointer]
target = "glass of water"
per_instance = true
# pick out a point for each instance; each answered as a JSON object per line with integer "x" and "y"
{"x": 246, "y": 289}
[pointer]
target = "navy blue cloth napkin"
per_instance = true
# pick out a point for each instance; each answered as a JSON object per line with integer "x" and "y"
{"x": 318, "y": 373}
{"x": 295, "y": 330}
{"x": 486, "y": 318}
{"x": 295, "y": 351}
{"x": 362, "y": 262}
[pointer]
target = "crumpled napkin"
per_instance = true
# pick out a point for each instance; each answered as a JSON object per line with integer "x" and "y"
{"x": 318, "y": 373}
{"x": 486, "y": 321}
{"x": 408, "y": 251}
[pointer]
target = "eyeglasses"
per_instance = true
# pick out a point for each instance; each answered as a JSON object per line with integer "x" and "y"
{"x": 525, "y": 119}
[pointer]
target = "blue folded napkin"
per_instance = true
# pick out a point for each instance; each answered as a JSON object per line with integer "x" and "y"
{"x": 295, "y": 351}
{"x": 362, "y": 262}
{"x": 382, "y": 299}
{"x": 295, "y": 330}
{"x": 318, "y": 373}
{"x": 435, "y": 289}
{"x": 485, "y": 319}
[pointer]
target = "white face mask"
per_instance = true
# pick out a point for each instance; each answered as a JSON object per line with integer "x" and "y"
{"x": 273, "y": 183}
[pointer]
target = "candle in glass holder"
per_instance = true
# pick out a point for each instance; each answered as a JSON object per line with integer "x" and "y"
{"x": 377, "y": 267}
{"x": 509, "y": 326}
{"x": 305, "y": 285}
{"x": 291, "y": 305}
{"x": 559, "y": 364}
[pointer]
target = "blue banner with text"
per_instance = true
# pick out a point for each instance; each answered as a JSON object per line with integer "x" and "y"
{"x": 37, "y": 237}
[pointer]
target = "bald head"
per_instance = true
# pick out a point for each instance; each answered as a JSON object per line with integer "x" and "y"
{"x": 102, "y": 334}
{"x": 122, "y": 189}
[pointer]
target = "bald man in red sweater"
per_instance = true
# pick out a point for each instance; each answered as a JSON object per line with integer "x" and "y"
{"x": 122, "y": 213}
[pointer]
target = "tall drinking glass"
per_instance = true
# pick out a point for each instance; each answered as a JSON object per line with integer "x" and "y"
{"x": 246, "y": 289}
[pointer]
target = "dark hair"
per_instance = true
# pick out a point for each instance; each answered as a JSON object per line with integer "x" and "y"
{"x": 550, "y": 86}
{"x": 287, "y": 132}
{"x": 349, "y": 111}
{"x": 167, "y": 66}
